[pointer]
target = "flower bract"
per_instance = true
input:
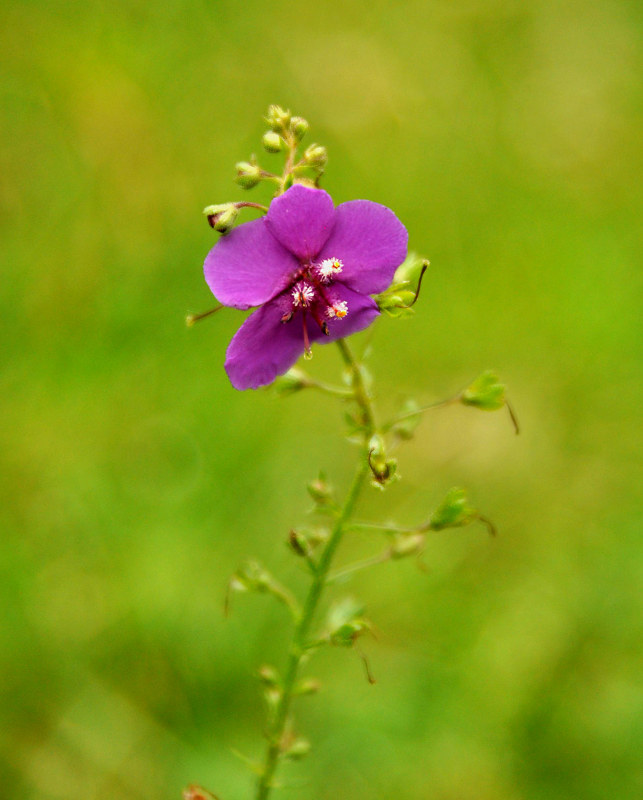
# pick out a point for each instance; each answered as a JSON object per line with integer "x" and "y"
{"x": 310, "y": 267}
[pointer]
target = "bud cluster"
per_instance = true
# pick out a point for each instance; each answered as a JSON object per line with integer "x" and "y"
{"x": 284, "y": 136}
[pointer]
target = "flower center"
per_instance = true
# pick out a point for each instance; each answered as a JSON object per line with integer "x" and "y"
{"x": 311, "y": 293}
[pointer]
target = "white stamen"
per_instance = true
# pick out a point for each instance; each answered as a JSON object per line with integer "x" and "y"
{"x": 303, "y": 294}
{"x": 328, "y": 268}
{"x": 339, "y": 310}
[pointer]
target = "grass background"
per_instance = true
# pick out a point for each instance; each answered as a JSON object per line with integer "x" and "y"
{"x": 507, "y": 136}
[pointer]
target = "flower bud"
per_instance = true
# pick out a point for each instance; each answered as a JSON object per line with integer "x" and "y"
{"x": 292, "y": 381}
{"x": 405, "y": 427}
{"x": 486, "y": 392}
{"x": 221, "y": 217}
{"x": 268, "y": 675}
{"x": 299, "y": 543}
{"x": 272, "y": 142}
{"x": 277, "y": 118}
{"x": 407, "y": 544}
{"x": 248, "y": 174}
{"x": 299, "y": 127}
{"x": 320, "y": 490}
{"x": 297, "y": 750}
{"x": 453, "y": 512}
{"x": 307, "y": 686}
{"x": 383, "y": 468}
{"x": 315, "y": 156}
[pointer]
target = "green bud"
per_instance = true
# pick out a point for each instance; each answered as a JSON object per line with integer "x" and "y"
{"x": 292, "y": 381}
{"x": 299, "y": 543}
{"x": 248, "y": 174}
{"x": 277, "y": 118}
{"x": 486, "y": 392}
{"x": 299, "y": 127}
{"x": 315, "y": 156}
{"x": 345, "y": 635}
{"x": 383, "y": 468}
{"x": 272, "y": 142}
{"x": 453, "y": 512}
{"x": 307, "y": 686}
{"x": 297, "y": 750}
{"x": 405, "y": 428}
{"x": 268, "y": 675}
{"x": 346, "y": 622}
{"x": 221, "y": 217}
{"x": 320, "y": 490}
{"x": 251, "y": 577}
{"x": 407, "y": 544}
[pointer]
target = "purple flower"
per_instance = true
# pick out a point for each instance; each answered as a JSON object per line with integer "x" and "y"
{"x": 310, "y": 267}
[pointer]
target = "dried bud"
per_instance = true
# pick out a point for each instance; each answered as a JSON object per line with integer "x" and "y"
{"x": 272, "y": 142}
{"x": 248, "y": 174}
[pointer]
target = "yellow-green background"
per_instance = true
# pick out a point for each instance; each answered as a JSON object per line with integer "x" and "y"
{"x": 507, "y": 136}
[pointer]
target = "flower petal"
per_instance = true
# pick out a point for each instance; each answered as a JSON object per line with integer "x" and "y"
{"x": 302, "y": 219}
{"x": 263, "y": 347}
{"x": 362, "y": 310}
{"x": 370, "y": 241}
{"x": 248, "y": 266}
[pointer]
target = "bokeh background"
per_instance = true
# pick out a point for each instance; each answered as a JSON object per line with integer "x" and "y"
{"x": 134, "y": 479}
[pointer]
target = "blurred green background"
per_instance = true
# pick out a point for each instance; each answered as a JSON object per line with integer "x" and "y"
{"x": 507, "y": 136}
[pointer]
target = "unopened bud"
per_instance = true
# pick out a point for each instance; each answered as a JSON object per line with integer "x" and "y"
{"x": 278, "y": 118}
{"x": 292, "y": 381}
{"x": 320, "y": 490}
{"x": 407, "y": 544}
{"x": 453, "y": 512}
{"x": 315, "y": 156}
{"x": 299, "y": 127}
{"x": 221, "y": 217}
{"x": 299, "y": 543}
{"x": 297, "y": 750}
{"x": 272, "y": 142}
{"x": 268, "y": 675}
{"x": 248, "y": 174}
{"x": 307, "y": 686}
{"x": 383, "y": 468}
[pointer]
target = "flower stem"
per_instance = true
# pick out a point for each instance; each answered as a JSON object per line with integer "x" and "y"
{"x": 300, "y": 636}
{"x": 360, "y": 392}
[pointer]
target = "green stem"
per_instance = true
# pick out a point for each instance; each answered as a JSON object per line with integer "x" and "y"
{"x": 300, "y": 636}
{"x": 300, "y": 641}
{"x": 361, "y": 395}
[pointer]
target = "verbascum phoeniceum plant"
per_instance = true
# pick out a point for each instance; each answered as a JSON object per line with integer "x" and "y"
{"x": 316, "y": 273}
